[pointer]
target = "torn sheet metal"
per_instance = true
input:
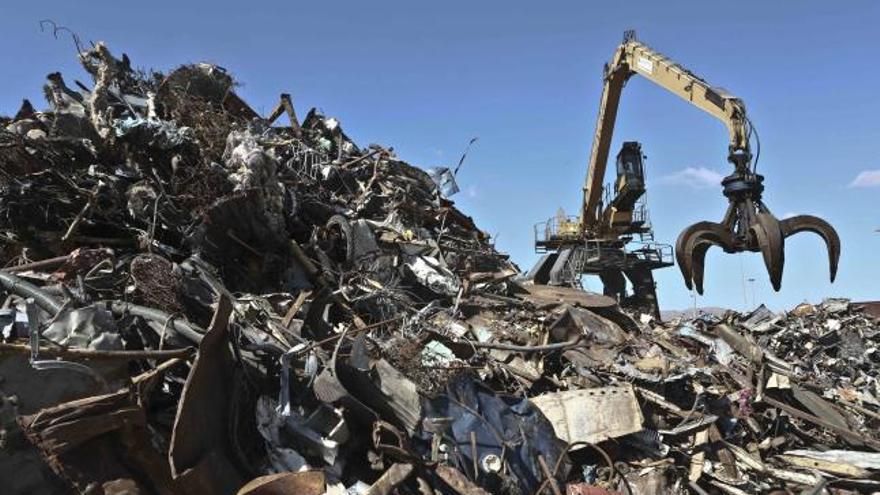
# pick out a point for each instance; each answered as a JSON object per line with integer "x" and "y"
{"x": 79, "y": 440}
{"x": 401, "y": 393}
{"x": 281, "y": 456}
{"x": 864, "y": 460}
{"x": 846, "y": 470}
{"x": 200, "y": 453}
{"x": 835, "y": 305}
{"x": 304, "y": 483}
{"x": 467, "y": 421}
{"x": 550, "y": 296}
{"x": 445, "y": 180}
{"x": 592, "y": 415}
{"x": 760, "y": 320}
{"x": 721, "y": 349}
{"x": 573, "y": 323}
{"x": 431, "y": 274}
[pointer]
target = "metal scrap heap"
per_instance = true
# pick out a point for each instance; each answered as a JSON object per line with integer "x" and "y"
{"x": 200, "y": 300}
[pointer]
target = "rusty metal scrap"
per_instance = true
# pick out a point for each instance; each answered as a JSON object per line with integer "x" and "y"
{"x": 580, "y": 416}
{"x": 198, "y": 299}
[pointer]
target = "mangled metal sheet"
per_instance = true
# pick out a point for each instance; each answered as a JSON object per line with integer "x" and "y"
{"x": 760, "y": 320}
{"x": 200, "y": 453}
{"x": 864, "y": 460}
{"x": 592, "y": 415}
{"x": 304, "y": 483}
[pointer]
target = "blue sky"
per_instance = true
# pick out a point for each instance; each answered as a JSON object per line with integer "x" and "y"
{"x": 525, "y": 77}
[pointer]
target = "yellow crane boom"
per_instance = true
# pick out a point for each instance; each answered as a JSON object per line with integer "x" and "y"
{"x": 634, "y": 57}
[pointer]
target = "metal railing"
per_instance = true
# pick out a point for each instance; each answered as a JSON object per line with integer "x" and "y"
{"x": 655, "y": 253}
{"x": 557, "y": 228}
{"x": 651, "y": 251}
{"x": 640, "y": 209}
{"x": 640, "y": 213}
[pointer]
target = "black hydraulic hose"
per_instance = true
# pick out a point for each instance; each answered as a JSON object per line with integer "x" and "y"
{"x": 25, "y": 289}
{"x": 191, "y": 332}
{"x": 754, "y": 130}
{"x": 53, "y": 306}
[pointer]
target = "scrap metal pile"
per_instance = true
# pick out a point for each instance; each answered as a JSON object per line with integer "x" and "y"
{"x": 198, "y": 300}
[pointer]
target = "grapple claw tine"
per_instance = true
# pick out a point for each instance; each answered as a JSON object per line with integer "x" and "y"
{"x": 691, "y": 247}
{"x": 809, "y": 223}
{"x": 698, "y": 261}
{"x": 684, "y": 260}
{"x": 748, "y": 225}
{"x": 771, "y": 242}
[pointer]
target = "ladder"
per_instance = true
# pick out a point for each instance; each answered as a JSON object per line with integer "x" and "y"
{"x": 574, "y": 267}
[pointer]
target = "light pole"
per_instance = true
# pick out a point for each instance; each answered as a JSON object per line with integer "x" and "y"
{"x": 752, "y": 285}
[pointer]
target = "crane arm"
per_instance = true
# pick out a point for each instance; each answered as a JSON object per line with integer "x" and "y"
{"x": 748, "y": 225}
{"x": 633, "y": 57}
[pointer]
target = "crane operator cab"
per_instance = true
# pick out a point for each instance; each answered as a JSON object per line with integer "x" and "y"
{"x": 630, "y": 183}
